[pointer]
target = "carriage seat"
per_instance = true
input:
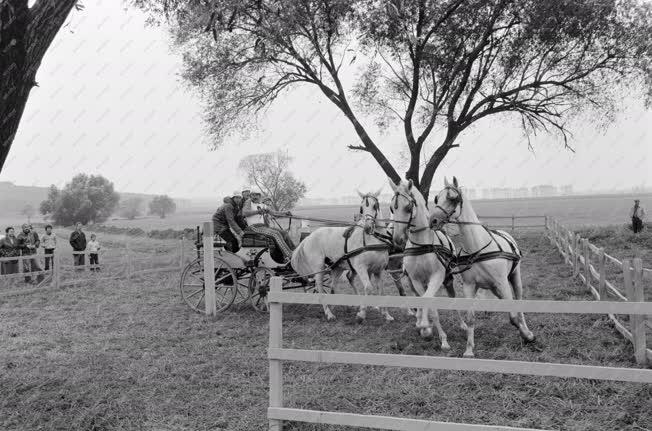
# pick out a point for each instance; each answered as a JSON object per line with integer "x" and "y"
{"x": 253, "y": 239}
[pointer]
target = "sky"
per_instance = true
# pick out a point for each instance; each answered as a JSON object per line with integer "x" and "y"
{"x": 110, "y": 101}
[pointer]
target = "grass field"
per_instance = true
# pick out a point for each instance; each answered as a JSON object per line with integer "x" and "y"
{"x": 127, "y": 356}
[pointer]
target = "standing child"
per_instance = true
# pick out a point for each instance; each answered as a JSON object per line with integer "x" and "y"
{"x": 93, "y": 249}
{"x": 49, "y": 244}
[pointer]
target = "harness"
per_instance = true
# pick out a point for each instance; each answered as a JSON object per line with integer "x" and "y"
{"x": 469, "y": 259}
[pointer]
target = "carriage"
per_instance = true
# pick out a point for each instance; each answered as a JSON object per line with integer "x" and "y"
{"x": 244, "y": 277}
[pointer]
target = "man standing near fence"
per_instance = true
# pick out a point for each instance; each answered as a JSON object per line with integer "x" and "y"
{"x": 49, "y": 244}
{"x": 78, "y": 243}
{"x": 28, "y": 242}
{"x": 637, "y": 215}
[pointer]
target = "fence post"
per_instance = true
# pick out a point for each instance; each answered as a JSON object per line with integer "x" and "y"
{"x": 128, "y": 263}
{"x": 275, "y": 342}
{"x": 638, "y": 321}
{"x": 545, "y": 221}
{"x": 576, "y": 255}
{"x": 587, "y": 262}
{"x": 209, "y": 270}
{"x": 56, "y": 269}
{"x": 182, "y": 258}
{"x": 602, "y": 260}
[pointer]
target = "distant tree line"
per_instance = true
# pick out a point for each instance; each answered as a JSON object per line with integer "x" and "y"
{"x": 92, "y": 199}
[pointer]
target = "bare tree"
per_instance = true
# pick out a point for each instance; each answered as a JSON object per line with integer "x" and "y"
{"x": 430, "y": 65}
{"x": 269, "y": 173}
{"x": 25, "y": 35}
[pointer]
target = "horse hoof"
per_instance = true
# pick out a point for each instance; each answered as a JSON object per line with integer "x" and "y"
{"x": 445, "y": 347}
{"x": 389, "y": 318}
{"x": 531, "y": 340}
{"x": 469, "y": 355}
{"x": 359, "y": 319}
{"x": 330, "y": 318}
{"x": 426, "y": 333}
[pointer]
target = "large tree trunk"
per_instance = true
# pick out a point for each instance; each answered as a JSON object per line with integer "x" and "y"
{"x": 25, "y": 35}
{"x": 434, "y": 162}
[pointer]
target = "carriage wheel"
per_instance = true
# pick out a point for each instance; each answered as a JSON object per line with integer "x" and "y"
{"x": 259, "y": 288}
{"x": 192, "y": 285}
{"x": 326, "y": 281}
{"x": 243, "y": 291}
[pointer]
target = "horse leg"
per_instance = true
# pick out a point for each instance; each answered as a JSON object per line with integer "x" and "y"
{"x": 319, "y": 280}
{"x": 410, "y": 311}
{"x": 417, "y": 287}
{"x": 449, "y": 285}
{"x": 379, "y": 285}
{"x": 470, "y": 289}
{"x": 434, "y": 283}
{"x": 517, "y": 286}
{"x": 367, "y": 287}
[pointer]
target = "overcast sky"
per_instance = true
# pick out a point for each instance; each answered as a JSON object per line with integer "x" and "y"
{"x": 110, "y": 102}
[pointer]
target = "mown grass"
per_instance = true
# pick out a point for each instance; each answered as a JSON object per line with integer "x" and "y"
{"x": 120, "y": 356}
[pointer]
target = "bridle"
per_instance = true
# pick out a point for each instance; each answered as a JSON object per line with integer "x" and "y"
{"x": 459, "y": 202}
{"x": 411, "y": 207}
{"x": 375, "y": 206}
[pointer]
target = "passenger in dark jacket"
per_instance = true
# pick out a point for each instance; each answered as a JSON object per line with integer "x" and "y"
{"x": 78, "y": 243}
{"x": 229, "y": 224}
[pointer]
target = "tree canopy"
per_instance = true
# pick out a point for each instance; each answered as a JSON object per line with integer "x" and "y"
{"x": 269, "y": 173}
{"x": 422, "y": 64}
{"x": 162, "y": 206}
{"x": 84, "y": 199}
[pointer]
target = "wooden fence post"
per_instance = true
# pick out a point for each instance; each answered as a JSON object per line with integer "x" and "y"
{"x": 276, "y": 342}
{"x": 545, "y": 221}
{"x": 638, "y": 321}
{"x": 56, "y": 269}
{"x": 182, "y": 257}
{"x": 587, "y": 262}
{"x": 209, "y": 270}
{"x": 576, "y": 255}
{"x": 602, "y": 260}
{"x": 128, "y": 263}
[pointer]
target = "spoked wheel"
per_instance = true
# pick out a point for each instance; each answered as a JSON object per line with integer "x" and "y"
{"x": 193, "y": 289}
{"x": 243, "y": 291}
{"x": 259, "y": 288}
{"x": 326, "y": 281}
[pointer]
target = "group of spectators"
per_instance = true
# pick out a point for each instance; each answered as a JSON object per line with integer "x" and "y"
{"x": 28, "y": 242}
{"x": 251, "y": 212}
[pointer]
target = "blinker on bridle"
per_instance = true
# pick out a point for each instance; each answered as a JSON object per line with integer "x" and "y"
{"x": 457, "y": 201}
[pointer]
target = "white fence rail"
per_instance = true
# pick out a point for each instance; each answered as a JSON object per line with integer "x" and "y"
{"x": 277, "y": 354}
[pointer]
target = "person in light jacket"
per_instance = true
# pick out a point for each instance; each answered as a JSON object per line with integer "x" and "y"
{"x": 637, "y": 214}
{"x": 49, "y": 243}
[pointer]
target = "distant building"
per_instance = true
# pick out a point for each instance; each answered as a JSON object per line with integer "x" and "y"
{"x": 567, "y": 190}
{"x": 544, "y": 190}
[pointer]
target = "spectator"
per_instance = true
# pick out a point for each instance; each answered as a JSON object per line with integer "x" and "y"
{"x": 637, "y": 215}
{"x": 78, "y": 243}
{"x": 49, "y": 244}
{"x": 228, "y": 223}
{"x": 28, "y": 242}
{"x": 93, "y": 250}
{"x": 9, "y": 248}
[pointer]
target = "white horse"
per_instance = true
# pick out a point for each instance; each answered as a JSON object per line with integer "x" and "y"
{"x": 499, "y": 269}
{"x": 327, "y": 245}
{"x": 427, "y": 253}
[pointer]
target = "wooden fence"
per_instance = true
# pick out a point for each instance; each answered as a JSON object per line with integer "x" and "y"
{"x": 277, "y": 413}
{"x": 112, "y": 266}
{"x": 578, "y": 252}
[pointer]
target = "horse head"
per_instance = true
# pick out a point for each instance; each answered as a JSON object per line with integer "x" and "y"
{"x": 369, "y": 210}
{"x": 408, "y": 209}
{"x": 447, "y": 202}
